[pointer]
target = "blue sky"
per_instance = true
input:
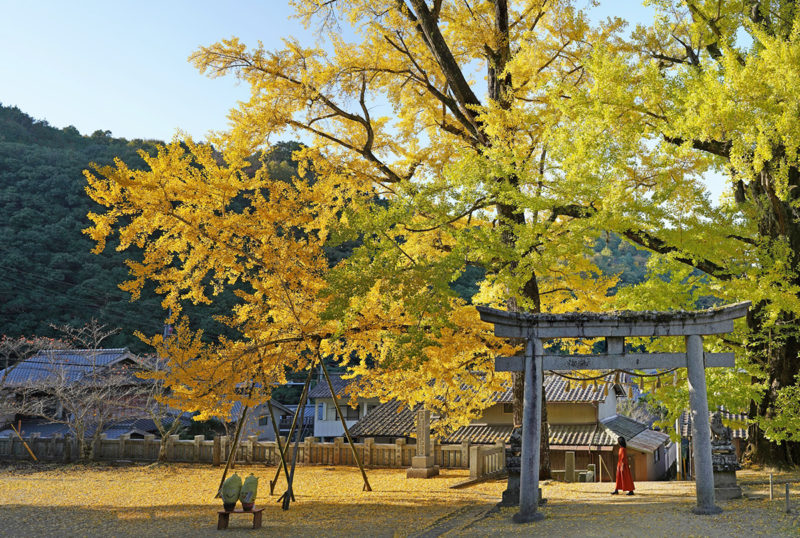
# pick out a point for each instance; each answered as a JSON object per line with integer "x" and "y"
{"x": 122, "y": 65}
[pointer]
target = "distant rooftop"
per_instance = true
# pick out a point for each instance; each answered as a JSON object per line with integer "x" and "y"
{"x": 73, "y": 364}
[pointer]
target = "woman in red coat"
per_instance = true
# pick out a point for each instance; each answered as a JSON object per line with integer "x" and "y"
{"x": 624, "y": 478}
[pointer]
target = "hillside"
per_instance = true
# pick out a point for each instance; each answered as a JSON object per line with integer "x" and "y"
{"x": 48, "y": 275}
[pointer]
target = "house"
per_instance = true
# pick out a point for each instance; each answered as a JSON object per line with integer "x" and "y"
{"x": 259, "y": 423}
{"x": 582, "y": 420}
{"x": 55, "y": 389}
{"x": 326, "y": 421}
{"x": 70, "y": 364}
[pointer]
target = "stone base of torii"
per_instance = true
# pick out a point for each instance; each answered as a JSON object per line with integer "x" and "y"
{"x": 614, "y": 327}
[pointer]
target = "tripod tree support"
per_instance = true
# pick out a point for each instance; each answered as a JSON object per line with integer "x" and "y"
{"x": 283, "y": 449}
{"x": 232, "y": 453}
{"x": 288, "y": 496}
{"x": 344, "y": 424}
{"x": 280, "y": 451}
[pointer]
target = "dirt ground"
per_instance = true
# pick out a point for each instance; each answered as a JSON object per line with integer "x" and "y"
{"x": 178, "y": 500}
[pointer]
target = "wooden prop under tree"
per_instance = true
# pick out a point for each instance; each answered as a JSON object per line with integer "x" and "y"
{"x": 344, "y": 424}
{"x": 232, "y": 453}
{"x": 280, "y": 452}
{"x": 282, "y": 449}
{"x": 24, "y": 443}
{"x": 288, "y": 495}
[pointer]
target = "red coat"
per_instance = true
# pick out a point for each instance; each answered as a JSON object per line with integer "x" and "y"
{"x": 624, "y": 478}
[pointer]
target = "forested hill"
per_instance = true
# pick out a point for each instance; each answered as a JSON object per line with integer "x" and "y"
{"x": 48, "y": 274}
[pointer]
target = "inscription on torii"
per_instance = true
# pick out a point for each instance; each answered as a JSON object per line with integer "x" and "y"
{"x": 614, "y": 327}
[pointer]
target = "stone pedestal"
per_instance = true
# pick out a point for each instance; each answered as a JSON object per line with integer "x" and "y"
{"x": 725, "y": 486}
{"x": 422, "y": 465}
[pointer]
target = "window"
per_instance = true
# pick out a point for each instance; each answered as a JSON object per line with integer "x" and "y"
{"x": 508, "y": 408}
{"x": 263, "y": 420}
{"x": 330, "y": 411}
{"x": 320, "y": 411}
{"x": 370, "y": 407}
{"x": 350, "y": 413}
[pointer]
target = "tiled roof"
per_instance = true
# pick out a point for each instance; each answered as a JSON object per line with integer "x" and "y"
{"x": 390, "y": 419}
{"x": 555, "y": 390}
{"x": 112, "y": 430}
{"x": 623, "y": 426}
{"x": 277, "y": 408}
{"x": 637, "y": 435}
{"x": 393, "y": 419}
{"x": 72, "y": 364}
{"x": 321, "y": 389}
{"x": 580, "y": 435}
{"x": 480, "y": 433}
{"x": 685, "y": 423}
{"x": 43, "y": 428}
{"x": 648, "y": 440}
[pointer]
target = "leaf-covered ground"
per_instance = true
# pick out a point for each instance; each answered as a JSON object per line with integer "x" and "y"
{"x": 177, "y": 500}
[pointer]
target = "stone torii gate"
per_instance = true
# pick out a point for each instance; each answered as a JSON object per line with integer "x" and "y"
{"x": 615, "y": 327}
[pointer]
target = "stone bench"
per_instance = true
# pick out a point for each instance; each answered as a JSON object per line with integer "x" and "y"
{"x": 224, "y": 517}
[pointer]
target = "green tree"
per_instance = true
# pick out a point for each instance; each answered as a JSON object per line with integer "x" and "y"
{"x": 709, "y": 88}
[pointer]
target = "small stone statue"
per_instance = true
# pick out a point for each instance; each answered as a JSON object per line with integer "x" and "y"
{"x": 513, "y": 466}
{"x": 720, "y": 434}
{"x": 724, "y": 460}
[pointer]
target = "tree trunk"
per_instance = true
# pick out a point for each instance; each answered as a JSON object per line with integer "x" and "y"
{"x": 776, "y": 350}
{"x": 162, "y": 449}
{"x": 500, "y": 90}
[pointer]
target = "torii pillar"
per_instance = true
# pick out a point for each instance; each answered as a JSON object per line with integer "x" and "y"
{"x": 615, "y": 327}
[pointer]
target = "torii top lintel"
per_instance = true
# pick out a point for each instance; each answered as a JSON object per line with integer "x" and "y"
{"x": 717, "y": 320}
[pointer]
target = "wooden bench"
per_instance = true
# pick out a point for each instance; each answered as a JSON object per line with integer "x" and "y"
{"x": 224, "y": 517}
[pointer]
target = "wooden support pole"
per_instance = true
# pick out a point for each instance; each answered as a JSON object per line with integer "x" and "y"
{"x": 280, "y": 451}
{"x": 366, "y": 487}
{"x": 288, "y": 495}
{"x": 531, "y": 433}
{"x": 770, "y": 486}
{"x": 232, "y": 454}
{"x": 24, "y": 443}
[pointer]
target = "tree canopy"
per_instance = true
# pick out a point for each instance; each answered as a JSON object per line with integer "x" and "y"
{"x": 507, "y": 138}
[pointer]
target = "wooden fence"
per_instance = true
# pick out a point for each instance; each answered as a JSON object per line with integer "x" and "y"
{"x": 216, "y": 451}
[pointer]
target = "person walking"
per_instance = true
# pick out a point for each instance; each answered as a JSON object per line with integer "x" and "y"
{"x": 624, "y": 478}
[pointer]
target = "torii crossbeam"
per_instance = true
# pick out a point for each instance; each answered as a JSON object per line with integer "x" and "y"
{"x": 615, "y": 327}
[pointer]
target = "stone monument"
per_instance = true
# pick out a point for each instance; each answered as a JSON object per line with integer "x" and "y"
{"x": 724, "y": 461}
{"x": 422, "y": 465}
{"x": 513, "y": 466}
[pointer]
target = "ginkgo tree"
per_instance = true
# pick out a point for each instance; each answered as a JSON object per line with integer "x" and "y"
{"x": 712, "y": 84}
{"x": 204, "y": 225}
{"x": 426, "y": 147}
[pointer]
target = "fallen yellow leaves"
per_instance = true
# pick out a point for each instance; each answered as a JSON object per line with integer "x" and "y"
{"x": 178, "y": 500}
